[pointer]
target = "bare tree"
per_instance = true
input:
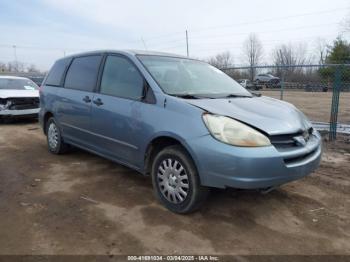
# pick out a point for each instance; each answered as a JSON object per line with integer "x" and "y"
{"x": 321, "y": 50}
{"x": 32, "y": 69}
{"x": 18, "y": 67}
{"x": 252, "y": 53}
{"x": 221, "y": 60}
{"x": 287, "y": 56}
{"x": 15, "y": 66}
{"x": 345, "y": 24}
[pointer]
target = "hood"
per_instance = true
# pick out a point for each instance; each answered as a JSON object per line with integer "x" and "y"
{"x": 9, "y": 93}
{"x": 270, "y": 115}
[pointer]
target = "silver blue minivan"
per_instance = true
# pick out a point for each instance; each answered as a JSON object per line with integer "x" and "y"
{"x": 183, "y": 122}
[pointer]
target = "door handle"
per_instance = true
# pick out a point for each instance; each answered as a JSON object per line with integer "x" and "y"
{"x": 98, "y": 102}
{"x": 87, "y": 99}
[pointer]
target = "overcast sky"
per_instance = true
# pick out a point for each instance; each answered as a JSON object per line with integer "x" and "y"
{"x": 44, "y": 30}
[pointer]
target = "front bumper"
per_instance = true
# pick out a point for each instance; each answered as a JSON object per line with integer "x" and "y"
{"x": 24, "y": 112}
{"x": 221, "y": 165}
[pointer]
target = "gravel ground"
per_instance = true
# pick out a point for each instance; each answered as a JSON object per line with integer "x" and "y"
{"x": 79, "y": 203}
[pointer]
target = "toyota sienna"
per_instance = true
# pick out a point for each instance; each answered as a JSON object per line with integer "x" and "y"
{"x": 183, "y": 122}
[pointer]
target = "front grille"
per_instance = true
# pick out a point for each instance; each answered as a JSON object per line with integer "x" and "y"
{"x": 297, "y": 147}
{"x": 24, "y": 103}
{"x": 288, "y": 140}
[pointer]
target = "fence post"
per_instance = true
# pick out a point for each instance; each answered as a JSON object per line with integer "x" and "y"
{"x": 335, "y": 104}
{"x": 282, "y": 84}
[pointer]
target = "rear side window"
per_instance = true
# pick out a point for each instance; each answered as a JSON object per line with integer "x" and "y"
{"x": 56, "y": 73}
{"x": 82, "y": 73}
{"x": 121, "y": 78}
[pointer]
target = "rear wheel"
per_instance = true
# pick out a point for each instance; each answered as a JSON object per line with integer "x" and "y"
{"x": 176, "y": 181}
{"x": 54, "y": 139}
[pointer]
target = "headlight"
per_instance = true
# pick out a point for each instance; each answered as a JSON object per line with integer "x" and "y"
{"x": 233, "y": 132}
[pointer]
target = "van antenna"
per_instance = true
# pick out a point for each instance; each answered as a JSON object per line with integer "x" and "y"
{"x": 144, "y": 44}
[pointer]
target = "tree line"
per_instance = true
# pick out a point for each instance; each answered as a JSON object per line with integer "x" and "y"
{"x": 18, "y": 67}
{"x": 285, "y": 56}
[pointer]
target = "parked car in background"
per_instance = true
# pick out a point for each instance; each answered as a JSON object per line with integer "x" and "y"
{"x": 246, "y": 83}
{"x": 316, "y": 87}
{"x": 37, "y": 79}
{"x": 182, "y": 121}
{"x": 19, "y": 96}
{"x": 268, "y": 80}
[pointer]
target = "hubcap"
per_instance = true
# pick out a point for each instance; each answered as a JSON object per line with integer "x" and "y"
{"x": 173, "y": 180}
{"x": 52, "y": 135}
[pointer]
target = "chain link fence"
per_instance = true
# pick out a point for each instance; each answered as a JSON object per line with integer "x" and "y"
{"x": 322, "y": 92}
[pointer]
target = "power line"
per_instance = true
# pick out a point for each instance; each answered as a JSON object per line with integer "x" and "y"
{"x": 46, "y": 48}
{"x": 268, "y": 31}
{"x": 222, "y": 45}
{"x": 180, "y": 40}
{"x": 252, "y": 22}
{"x": 259, "y": 32}
{"x": 274, "y": 19}
{"x": 239, "y": 44}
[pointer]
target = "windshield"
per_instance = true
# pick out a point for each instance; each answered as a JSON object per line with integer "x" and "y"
{"x": 180, "y": 76}
{"x": 17, "y": 84}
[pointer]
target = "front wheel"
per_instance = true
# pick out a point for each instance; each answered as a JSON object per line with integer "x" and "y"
{"x": 54, "y": 139}
{"x": 176, "y": 182}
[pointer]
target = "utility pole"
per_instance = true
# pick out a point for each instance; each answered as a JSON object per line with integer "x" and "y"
{"x": 15, "y": 53}
{"x": 283, "y": 75}
{"x": 187, "y": 44}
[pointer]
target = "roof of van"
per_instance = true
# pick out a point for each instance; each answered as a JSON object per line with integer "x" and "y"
{"x": 132, "y": 52}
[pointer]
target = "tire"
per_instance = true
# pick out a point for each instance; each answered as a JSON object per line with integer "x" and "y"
{"x": 174, "y": 171}
{"x": 6, "y": 120}
{"x": 54, "y": 139}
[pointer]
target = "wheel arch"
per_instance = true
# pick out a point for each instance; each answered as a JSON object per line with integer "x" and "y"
{"x": 46, "y": 117}
{"x": 160, "y": 142}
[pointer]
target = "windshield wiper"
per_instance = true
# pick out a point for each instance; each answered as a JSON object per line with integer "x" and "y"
{"x": 189, "y": 96}
{"x": 236, "y": 95}
{"x": 256, "y": 94}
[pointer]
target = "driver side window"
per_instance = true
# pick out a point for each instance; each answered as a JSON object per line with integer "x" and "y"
{"x": 121, "y": 78}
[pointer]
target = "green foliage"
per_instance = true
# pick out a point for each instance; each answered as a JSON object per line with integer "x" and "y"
{"x": 339, "y": 53}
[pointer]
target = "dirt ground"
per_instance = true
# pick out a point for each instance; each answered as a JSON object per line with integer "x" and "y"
{"x": 316, "y": 105}
{"x": 79, "y": 203}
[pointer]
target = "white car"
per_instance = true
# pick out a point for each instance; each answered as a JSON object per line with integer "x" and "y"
{"x": 19, "y": 96}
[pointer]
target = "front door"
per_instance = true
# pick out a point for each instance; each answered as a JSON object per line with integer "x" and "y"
{"x": 116, "y": 110}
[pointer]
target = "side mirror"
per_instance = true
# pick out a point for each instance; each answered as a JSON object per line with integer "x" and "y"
{"x": 144, "y": 89}
{"x": 147, "y": 94}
